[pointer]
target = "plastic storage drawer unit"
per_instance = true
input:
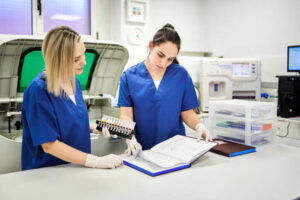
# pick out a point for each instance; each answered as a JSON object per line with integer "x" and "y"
{"x": 248, "y": 122}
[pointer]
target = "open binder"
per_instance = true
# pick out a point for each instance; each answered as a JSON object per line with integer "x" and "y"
{"x": 171, "y": 155}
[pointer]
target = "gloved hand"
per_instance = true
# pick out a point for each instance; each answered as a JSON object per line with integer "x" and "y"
{"x": 105, "y": 132}
{"x": 110, "y": 161}
{"x": 133, "y": 147}
{"x": 203, "y": 132}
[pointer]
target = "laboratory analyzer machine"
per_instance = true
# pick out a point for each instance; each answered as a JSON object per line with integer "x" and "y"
{"x": 229, "y": 78}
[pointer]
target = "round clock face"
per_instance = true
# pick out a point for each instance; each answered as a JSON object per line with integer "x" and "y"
{"x": 136, "y": 36}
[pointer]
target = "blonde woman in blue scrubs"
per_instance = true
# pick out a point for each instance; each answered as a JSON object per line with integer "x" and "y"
{"x": 56, "y": 127}
{"x": 158, "y": 94}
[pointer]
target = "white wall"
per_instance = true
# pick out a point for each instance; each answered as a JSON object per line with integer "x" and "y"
{"x": 114, "y": 26}
{"x": 234, "y": 28}
{"x": 229, "y": 28}
{"x": 257, "y": 28}
{"x": 103, "y": 19}
{"x": 184, "y": 15}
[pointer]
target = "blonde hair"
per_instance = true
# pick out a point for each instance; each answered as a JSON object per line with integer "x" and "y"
{"x": 58, "y": 52}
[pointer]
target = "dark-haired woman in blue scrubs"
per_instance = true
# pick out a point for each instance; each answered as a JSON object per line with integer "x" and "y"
{"x": 158, "y": 94}
{"x": 56, "y": 127}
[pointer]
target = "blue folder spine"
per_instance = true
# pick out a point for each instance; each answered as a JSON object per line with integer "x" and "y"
{"x": 156, "y": 173}
{"x": 242, "y": 152}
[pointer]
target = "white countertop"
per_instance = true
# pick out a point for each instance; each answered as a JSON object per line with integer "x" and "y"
{"x": 273, "y": 172}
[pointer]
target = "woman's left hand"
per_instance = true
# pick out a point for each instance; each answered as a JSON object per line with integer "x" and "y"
{"x": 133, "y": 147}
{"x": 203, "y": 133}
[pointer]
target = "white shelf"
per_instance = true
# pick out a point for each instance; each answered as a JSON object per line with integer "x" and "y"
{"x": 235, "y": 118}
{"x": 241, "y": 131}
{"x": 296, "y": 121}
{"x": 20, "y": 99}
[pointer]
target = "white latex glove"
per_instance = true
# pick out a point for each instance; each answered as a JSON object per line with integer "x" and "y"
{"x": 110, "y": 161}
{"x": 105, "y": 132}
{"x": 133, "y": 147}
{"x": 203, "y": 132}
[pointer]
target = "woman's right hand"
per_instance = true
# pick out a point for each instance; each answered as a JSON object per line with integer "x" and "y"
{"x": 105, "y": 132}
{"x": 110, "y": 161}
{"x": 133, "y": 147}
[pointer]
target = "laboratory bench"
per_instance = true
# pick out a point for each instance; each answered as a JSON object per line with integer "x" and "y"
{"x": 273, "y": 172}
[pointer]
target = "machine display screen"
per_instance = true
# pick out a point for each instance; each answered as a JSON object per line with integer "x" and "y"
{"x": 294, "y": 59}
{"x": 240, "y": 69}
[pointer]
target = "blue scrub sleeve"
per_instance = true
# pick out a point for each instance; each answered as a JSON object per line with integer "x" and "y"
{"x": 124, "y": 93}
{"x": 189, "y": 97}
{"x": 40, "y": 116}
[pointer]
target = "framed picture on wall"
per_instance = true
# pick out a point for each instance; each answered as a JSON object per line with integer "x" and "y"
{"x": 136, "y": 11}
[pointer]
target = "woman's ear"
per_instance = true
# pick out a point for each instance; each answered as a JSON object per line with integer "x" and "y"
{"x": 150, "y": 45}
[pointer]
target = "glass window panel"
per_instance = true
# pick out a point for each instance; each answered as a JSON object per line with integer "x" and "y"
{"x": 72, "y": 13}
{"x": 16, "y": 17}
{"x": 32, "y": 63}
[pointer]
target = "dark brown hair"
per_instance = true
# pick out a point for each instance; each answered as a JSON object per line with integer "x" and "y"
{"x": 167, "y": 34}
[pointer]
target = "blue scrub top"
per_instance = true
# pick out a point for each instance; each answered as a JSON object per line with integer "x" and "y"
{"x": 47, "y": 118}
{"x": 157, "y": 111}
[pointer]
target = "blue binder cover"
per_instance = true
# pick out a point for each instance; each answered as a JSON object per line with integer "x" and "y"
{"x": 163, "y": 171}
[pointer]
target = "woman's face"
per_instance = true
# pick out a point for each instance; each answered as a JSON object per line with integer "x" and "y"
{"x": 79, "y": 60}
{"x": 161, "y": 56}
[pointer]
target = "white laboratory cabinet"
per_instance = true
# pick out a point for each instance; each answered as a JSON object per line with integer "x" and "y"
{"x": 248, "y": 122}
{"x": 21, "y": 60}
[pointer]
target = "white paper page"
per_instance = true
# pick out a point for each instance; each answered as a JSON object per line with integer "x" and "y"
{"x": 183, "y": 148}
{"x": 159, "y": 159}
